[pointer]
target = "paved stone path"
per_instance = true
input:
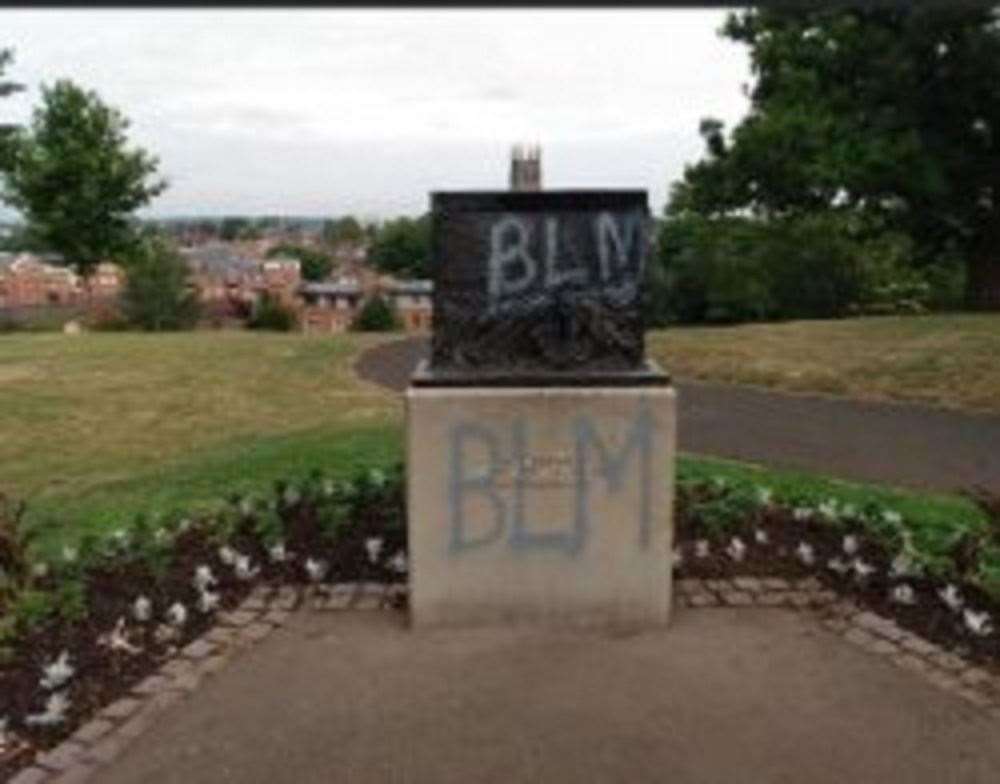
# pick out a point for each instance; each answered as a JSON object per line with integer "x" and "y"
{"x": 897, "y": 443}
{"x": 723, "y": 695}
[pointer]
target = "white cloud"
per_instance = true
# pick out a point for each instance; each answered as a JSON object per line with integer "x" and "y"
{"x": 319, "y": 111}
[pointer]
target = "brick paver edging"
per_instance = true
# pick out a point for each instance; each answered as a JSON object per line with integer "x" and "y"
{"x": 875, "y": 634}
{"x": 103, "y": 738}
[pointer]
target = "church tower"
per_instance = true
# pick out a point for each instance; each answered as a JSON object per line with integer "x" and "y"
{"x": 526, "y": 168}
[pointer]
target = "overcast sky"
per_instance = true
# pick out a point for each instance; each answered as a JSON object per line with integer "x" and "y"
{"x": 325, "y": 112}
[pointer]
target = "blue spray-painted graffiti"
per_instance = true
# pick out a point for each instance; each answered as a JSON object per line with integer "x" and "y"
{"x": 509, "y": 509}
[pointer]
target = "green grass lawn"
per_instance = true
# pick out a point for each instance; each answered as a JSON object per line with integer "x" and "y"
{"x": 98, "y": 427}
{"x": 944, "y": 360}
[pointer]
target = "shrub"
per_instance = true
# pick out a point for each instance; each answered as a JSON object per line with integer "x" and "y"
{"x": 270, "y": 313}
{"x": 377, "y": 315}
{"x": 158, "y": 294}
{"x": 820, "y": 265}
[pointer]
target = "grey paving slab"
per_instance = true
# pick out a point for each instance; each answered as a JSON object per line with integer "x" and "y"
{"x": 724, "y": 695}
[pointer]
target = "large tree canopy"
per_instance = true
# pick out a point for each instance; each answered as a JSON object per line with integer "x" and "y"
{"x": 402, "y": 246}
{"x": 74, "y": 178}
{"x": 893, "y": 111}
{"x": 7, "y": 88}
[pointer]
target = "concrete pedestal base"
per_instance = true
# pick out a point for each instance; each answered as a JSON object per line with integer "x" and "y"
{"x": 540, "y": 505}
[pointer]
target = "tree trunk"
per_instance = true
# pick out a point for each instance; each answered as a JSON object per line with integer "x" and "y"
{"x": 982, "y": 289}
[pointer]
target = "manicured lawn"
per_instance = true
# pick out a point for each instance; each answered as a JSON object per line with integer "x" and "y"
{"x": 99, "y": 427}
{"x": 946, "y": 360}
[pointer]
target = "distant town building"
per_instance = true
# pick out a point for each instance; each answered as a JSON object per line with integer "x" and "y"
{"x": 329, "y": 306}
{"x": 31, "y": 280}
{"x": 526, "y": 168}
{"x": 412, "y": 301}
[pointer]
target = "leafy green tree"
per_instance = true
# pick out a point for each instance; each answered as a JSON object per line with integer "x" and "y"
{"x": 402, "y": 246}
{"x": 234, "y": 228}
{"x": 7, "y": 88}
{"x": 377, "y": 315}
{"x": 313, "y": 264}
{"x": 158, "y": 292}
{"x": 892, "y": 110}
{"x": 270, "y": 313}
{"x": 75, "y": 179}
{"x": 344, "y": 229}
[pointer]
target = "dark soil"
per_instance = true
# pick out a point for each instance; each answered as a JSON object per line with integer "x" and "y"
{"x": 927, "y": 617}
{"x": 377, "y": 510}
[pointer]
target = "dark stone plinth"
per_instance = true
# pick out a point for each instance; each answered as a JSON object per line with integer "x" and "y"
{"x": 649, "y": 374}
{"x": 528, "y": 284}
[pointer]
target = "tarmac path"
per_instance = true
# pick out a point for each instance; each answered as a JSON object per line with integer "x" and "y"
{"x": 896, "y": 443}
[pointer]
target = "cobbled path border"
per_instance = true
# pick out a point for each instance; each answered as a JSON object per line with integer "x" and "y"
{"x": 104, "y": 737}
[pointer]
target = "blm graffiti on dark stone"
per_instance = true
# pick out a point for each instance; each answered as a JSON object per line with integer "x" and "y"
{"x": 542, "y": 281}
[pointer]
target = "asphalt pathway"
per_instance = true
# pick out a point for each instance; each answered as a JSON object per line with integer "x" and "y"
{"x": 896, "y": 443}
{"x": 723, "y": 695}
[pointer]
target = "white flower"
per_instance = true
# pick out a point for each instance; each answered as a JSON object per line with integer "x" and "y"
{"x": 208, "y": 601}
{"x": 951, "y": 597}
{"x": 291, "y": 496}
{"x": 316, "y": 569}
{"x": 329, "y": 488}
{"x": 862, "y": 569}
{"x": 120, "y": 535}
{"x": 277, "y": 552}
{"x": 398, "y": 563}
{"x": 40, "y": 569}
{"x": 828, "y": 509}
{"x": 760, "y": 536}
{"x": 801, "y": 514}
{"x": 374, "y": 547}
{"x": 177, "y": 614}
{"x": 165, "y": 633}
{"x": 764, "y": 496}
{"x": 227, "y": 555}
{"x": 243, "y": 570}
{"x": 57, "y": 673}
{"x": 117, "y": 640}
{"x": 142, "y": 609}
{"x": 904, "y": 594}
{"x": 848, "y": 510}
{"x": 203, "y": 577}
{"x": 892, "y": 517}
{"x": 851, "y": 544}
{"x": 838, "y": 565}
{"x": 246, "y": 506}
{"x": 736, "y": 549}
{"x": 701, "y": 549}
{"x": 979, "y": 624}
{"x": 903, "y": 566}
{"x": 54, "y": 713}
{"x": 68, "y": 554}
{"x": 377, "y": 477}
{"x": 806, "y": 553}
{"x": 184, "y": 525}
{"x": 160, "y": 535}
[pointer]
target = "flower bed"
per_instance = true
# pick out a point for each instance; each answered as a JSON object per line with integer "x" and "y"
{"x": 79, "y": 632}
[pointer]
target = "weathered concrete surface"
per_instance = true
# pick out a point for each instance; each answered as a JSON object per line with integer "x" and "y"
{"x": 723, "y": 696}
{"x": 542, "y": 505}
{"x": 899, "y": 443}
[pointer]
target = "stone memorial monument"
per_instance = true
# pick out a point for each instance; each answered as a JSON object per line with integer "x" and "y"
{"x": 540, "y": 440}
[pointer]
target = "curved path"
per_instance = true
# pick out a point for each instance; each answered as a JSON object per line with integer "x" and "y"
{"x": 897, "y": 443}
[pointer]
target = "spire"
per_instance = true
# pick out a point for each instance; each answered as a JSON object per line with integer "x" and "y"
{"x": 526, "y": 167}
